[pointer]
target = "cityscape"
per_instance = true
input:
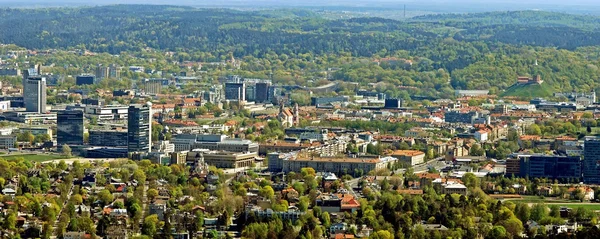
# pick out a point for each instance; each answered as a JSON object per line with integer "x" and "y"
{"x": 166, "y": 121}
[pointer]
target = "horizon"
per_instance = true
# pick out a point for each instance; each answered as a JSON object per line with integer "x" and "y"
{"x": 433, "y": 6}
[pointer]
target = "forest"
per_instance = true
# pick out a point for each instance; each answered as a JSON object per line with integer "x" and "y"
{"x": 446, "y": 51}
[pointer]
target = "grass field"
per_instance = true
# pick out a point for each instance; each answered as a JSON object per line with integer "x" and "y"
{"x": 591, "y": 206}
{"x": 529, "y": 91}
{"x": 537, "y": 199}
{"x": 34, "y": 157}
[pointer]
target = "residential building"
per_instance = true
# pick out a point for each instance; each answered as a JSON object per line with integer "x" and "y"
{"x": 481, "y": 135}
{"x": 34, "y": 94}
{"x": 108, "y": 138}
{"x": 139, "y": 128}
{"x": 410, "y": 157}
{"x": 591, "y": 159}
{"x": 69, "y": 127}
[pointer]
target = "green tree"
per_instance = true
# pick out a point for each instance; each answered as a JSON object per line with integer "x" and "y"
{"x": 149, "y": 227}
{"x": 66, "y": 150}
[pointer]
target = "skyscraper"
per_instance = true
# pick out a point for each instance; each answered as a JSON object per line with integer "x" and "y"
{"x": 591, "y": 161}
{"x": 69, "y": 127}
{"x": 139, "y": 128}
{"x": 34, "y": 94}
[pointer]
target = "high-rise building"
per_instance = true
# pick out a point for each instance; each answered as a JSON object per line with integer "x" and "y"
{"x": 235, "y": 91}
{"x": 69, "y": 124}
{"x": 262, "y": 92}
{"x": 591, "y": 161}
{"x": 34, "y": 93}
{"x": 85, "y": 80}
{"x": 139, "y": 128}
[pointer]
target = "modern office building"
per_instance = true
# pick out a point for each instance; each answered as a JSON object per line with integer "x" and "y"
{"x": 251, "y": 93}
{"x": 69, "y": 124}
{"x": 262, "y": 92}
{"x": 460, "y": 117}
{"x": 393, "y": 103}
{"x": 549, "y": 166}
{"x": 108, "y": 138}
{"x": 235, "y": 91}
{"x": 186, "y": 142}
{"x": 85, "y": 80}
{"x": 591, "y": 161}
{"x": 139, "y": 128}
{"x": 34, "y": 94}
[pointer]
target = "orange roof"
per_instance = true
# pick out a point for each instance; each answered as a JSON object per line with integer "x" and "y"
{"x": 530, "y": 137}
{"x": 343, "y": 236}
{"x": 407, "y": 153}
{"x": 428, "y": 175}
{"x": 410, "y": 191}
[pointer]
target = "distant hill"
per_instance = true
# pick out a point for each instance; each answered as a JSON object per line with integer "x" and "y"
{"x": 529, "y": 91}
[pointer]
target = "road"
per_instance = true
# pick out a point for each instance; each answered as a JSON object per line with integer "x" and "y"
{"x": 55, "y": 226}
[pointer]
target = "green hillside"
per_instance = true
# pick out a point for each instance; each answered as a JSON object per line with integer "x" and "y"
{"x": 529, "y": 91}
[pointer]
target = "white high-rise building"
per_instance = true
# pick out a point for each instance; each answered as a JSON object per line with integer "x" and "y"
{"x": 34, "y": 94}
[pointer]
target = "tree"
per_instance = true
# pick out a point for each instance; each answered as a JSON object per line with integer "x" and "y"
{"x": 534, "y": 129}
{"x": 152, "y": 194}
{"x": 382, "y": 234}
{"x": 325, "y": 219}
{"x": 470, "y": 180}
{"x": 66, "y": 150}
{"x": 149, "y": 227}
{"x": 303, "y": 203}
{"x": 105, "y": 196}
{"x": 267, "y": 192}
{"x": 10, "y": 221}
{"x": 538, "y": 211}
{"x": 497, "y": 232}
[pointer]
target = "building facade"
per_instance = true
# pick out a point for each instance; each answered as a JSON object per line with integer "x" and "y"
{"x": 139, "y": 128}
{"x": 85, "y": 80}
{"x": 34, "y": 94}
{"x": 591, "y": 161}
{"x": 550, "y": 166}
{"x": 108, "y": 138}
{"x": 69, "y": 124}
{"x": 294, "y": 162}
{"x": 235, "y": 91}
